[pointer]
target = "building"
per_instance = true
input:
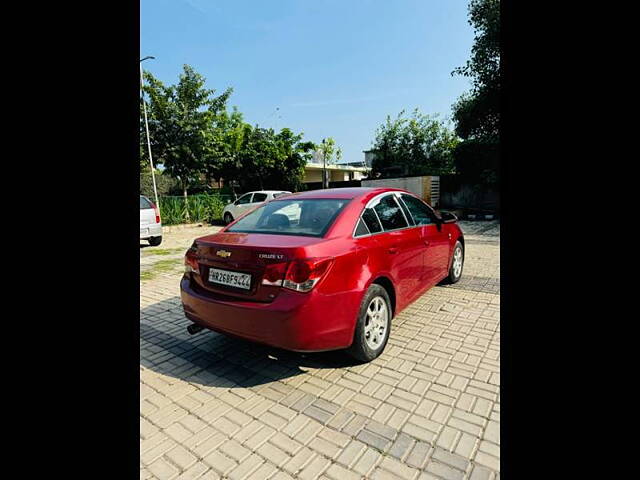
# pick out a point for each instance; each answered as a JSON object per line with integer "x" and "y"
{"x": 369, "y": 155}
{"x": 336, "y": 172}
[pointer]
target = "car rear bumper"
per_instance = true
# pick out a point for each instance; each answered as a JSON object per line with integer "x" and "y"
{"x": 308, "y": 322}
{"x": 151, "y": 230}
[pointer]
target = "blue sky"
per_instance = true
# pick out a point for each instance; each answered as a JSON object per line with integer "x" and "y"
{"x": 333, "y": 68}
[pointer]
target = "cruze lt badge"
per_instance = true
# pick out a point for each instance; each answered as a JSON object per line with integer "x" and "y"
{"x": 271, "y": 255}
{"x": 223, "y": 253}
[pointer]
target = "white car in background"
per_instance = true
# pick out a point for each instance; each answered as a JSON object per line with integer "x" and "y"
{"x": 247, "y": 202}
{"x": 150, "y": 225}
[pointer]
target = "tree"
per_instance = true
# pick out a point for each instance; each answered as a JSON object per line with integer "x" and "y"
{"x": 294, "y": 155}
{"x": 416, "y": 145}
{"x": 164, "y": 183}
{"x": 227, "y": 138}
{"x": 197, "y": 140}
{"x": 330, "y": 153}
{"x": 181, "y": 124}
{"x": 267, "y": 159}
{"x": 477, "y": 113}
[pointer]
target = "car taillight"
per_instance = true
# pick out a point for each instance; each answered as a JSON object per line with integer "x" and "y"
{"x": 303, "y": 275}
{"x": 274, "y": 274}
{"x": 191, "y": 262}
{"x": 157, "y": 212}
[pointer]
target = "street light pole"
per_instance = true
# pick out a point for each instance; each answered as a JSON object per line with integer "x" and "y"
{"x": 146, "y": 124}
{"x": 324, "y": 165}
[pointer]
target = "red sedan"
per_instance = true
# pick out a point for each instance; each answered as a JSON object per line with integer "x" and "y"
{"x": 321, "y": 270}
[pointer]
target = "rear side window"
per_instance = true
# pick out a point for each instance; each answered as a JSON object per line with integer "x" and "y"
{"x": 371, "y": 220}
{"x": 144, "y": 203}
{"x": 361, "y": 229}
{"x": 390, "y": 213}
{"x": 259, "y": 197}
{"x": 419, "y": 211}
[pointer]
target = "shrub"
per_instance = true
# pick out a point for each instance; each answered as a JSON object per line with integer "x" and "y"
{"x": 201, "y": 208}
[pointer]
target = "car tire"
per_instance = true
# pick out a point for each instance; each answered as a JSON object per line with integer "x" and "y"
{"x": 364, "y": 346}
{"x": 155, "y": 241}
{"x": 228, "y": 218}
{"x": 455, "y": 273}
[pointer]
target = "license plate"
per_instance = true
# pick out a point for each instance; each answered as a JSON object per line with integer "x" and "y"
{"x": 230, "y": 279}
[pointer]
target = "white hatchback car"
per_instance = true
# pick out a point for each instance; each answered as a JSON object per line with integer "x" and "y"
{"x": 150, "y": 225}
{"x": 247, "y": 202}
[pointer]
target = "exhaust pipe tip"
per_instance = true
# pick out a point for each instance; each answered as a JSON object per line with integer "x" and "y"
{"x": 194, "y": 328}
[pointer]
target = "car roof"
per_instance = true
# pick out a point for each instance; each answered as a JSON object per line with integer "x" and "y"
{"x": 350, "y": 193}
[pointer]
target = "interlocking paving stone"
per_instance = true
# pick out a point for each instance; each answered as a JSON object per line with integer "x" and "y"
{"x": 351, "y": 452}
{"x": 401, "y": 446}
{"x": 481, "y": 473}
{"x": 324, "y": 447}
{"x": 444, "y": 471}
{"x": 299, "y": 460}
{"x": 373, "y": 440}
{"x": 318, "y": 414}
{"x": 214, "y": 406}
{"x": 380, "y": 429}
{"x": 245, "y": 468}
{"x": 354, "y": 425}
{"x": 367, "y": 461}
{"x": 219, "y": 462}
{"x": 181, "y": 457}
{"x": 193, "y": 472}
{"x": 398, "y": 468}
{"x": 451, "y": 459}
{"x": 313, "y": 470}
{"x": 162, "y": 469}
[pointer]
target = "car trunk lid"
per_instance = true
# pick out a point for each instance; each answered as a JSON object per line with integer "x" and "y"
{"x": 230, "y": 254}
{"x": 147, "y": 217}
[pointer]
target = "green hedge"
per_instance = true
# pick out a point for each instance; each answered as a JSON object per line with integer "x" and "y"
{"x": 201, "y": 208}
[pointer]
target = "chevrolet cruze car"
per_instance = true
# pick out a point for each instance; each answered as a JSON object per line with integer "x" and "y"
{"x": 321, "y": 270}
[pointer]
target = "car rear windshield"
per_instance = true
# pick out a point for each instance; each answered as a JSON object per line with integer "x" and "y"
{"x": 306, "y": 217}
{"x": 145, "y": 204}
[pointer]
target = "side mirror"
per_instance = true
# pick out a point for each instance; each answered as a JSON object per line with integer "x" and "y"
{"x": 448, "y": 217}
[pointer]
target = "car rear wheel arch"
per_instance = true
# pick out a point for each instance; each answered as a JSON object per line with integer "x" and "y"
{"x": 387, "y": 284}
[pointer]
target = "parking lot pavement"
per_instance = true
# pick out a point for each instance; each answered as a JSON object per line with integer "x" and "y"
{"x": 167, "y": 258}
{"x": 429, "y": 407}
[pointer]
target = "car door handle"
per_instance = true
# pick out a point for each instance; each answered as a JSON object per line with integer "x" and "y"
{"x": 426, "y": 242}
{"x": 393, "y": 250}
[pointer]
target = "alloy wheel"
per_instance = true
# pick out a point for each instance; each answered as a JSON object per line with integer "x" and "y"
{"x": 376, "y": 323}
{"x": 457, "y": 262}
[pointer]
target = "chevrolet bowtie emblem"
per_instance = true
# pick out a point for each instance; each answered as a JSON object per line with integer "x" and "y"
{"x": 223, "y": 253}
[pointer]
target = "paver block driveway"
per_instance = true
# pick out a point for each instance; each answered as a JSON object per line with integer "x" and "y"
{"x": 427, "y": 408}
